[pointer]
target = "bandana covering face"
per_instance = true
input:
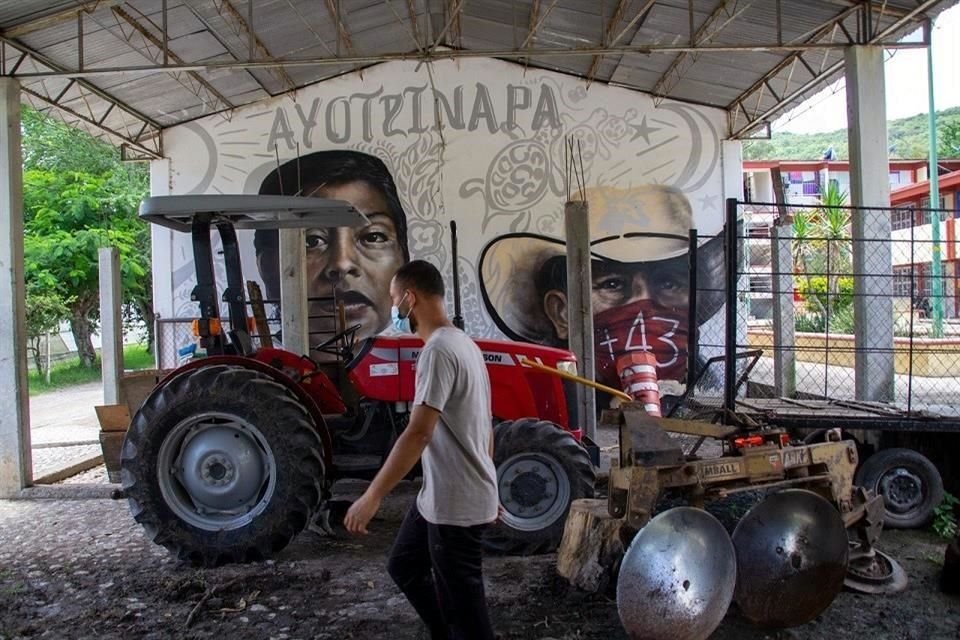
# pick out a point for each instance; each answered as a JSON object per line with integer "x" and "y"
{"x": 641, "y": 326}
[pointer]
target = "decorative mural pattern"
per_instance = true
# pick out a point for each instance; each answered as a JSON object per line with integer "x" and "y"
{"x": 484, "y": 143}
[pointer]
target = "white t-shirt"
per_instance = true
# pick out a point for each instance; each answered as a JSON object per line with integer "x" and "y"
{"x": 459, "y": 479}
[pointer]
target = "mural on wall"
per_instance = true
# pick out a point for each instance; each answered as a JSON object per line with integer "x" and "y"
{"x": 640, "y": 290}
{"x": 483, "y": 143}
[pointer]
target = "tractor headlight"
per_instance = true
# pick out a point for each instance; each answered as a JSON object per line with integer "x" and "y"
{"x": 567, "y": 366}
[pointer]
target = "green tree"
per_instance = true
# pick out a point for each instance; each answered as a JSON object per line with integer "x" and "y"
{"x": 907, "y": 138}
{"x": 45, "y": 312}
{"x": 68, "y": 216}
{"x": 78, "y": 196}
{"x": 949, "y": 146}
{"x": 53, "y": 146}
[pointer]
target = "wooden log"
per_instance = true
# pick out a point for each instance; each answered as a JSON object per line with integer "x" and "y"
{"x": 591, "y": 549}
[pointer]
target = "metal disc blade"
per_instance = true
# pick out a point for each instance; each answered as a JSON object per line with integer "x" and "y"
{"x": 677, "y": 577}
{"x": 791, "y": 559}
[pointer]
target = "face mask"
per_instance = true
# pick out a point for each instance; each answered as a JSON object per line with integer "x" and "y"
{"x": 641, "y": 326}
{"x": 401, "y": 322}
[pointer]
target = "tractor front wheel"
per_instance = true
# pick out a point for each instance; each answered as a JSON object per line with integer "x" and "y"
{"x": 222, "y": 464}
{"x": 541, "y": 469}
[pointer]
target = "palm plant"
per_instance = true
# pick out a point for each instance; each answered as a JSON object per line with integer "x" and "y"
{"x": 804, "y": 249}
{"x": 832, "y": 221}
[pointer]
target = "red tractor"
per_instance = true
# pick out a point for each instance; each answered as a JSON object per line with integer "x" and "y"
{"x": 235, "y": 453}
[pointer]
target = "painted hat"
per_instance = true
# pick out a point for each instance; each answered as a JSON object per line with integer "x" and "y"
{"x": 643, "y": 224}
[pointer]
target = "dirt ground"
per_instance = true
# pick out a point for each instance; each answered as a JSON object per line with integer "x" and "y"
{"x": 81, "y": 568}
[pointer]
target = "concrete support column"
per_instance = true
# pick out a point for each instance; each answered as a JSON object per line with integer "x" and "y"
{"x": 16, "y": 465}
{"x": 161, "y": 244}
{"x": 293, "y": 291}
{"x": 784, "y": 327}
{"x": 576, "y": 217}
{"x": 111, "y": 324}
{"x": 870, "y": 187}
{"x": 731, "y": 166}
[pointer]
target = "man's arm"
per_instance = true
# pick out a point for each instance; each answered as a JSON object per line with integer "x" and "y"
{"x": 406, "y": 451}
{"x": 404, "y": 455}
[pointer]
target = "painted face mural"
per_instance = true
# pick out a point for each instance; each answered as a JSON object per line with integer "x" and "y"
{"x": 640, "y": 289}
{"x": 349, "y": 265}
{"x": 484, "y": 143}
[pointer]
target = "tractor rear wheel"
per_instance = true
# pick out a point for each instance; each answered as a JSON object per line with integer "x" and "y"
{"x": 541, "y": 469}
{"x": 222, "y": 464}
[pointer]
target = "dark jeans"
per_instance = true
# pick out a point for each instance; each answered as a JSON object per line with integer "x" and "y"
{"x": 440, "y": 570}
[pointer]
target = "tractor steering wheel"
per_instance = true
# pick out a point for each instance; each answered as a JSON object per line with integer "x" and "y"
{"x": 348, "y": 336}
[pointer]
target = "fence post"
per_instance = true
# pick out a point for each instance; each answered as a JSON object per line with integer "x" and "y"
{"x": 784, "y": 322}
{"x": 111, "y": 324}
{"x": 731, "y": 254}
{"x": 157, "y": 348}
{"x": 580, "y": 310}
{"x": 293, "y": 291}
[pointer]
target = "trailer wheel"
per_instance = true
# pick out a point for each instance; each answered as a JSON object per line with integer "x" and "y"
{"x": 909, "y": 483}
{"x": 222, "y": 464}
{"x": 541, "y": 469}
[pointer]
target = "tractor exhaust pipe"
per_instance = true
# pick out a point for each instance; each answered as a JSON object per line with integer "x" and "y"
{"x": 457, "y": 311}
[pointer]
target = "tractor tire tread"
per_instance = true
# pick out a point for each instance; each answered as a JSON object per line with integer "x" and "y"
{"x": 297, "y": 447}
{"x": 534, "y": 435}
{"x": 873, "y": 468}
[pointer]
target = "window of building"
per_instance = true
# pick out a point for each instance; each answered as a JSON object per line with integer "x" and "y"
{"x": 923, "y": 213}
{"x": 901, "y": 281}
{"x": 901, "y": 217}
{"x": 758, "y": 230}
{"x": 761, "y": 283}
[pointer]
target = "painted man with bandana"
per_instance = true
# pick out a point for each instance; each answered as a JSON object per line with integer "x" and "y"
{"x": 640, "y": 245}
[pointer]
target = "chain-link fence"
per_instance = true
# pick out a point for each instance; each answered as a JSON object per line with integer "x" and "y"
{"x": 172, "y": 336}
{"x": 827, "y": 316}
{"x": 176, "y": 342}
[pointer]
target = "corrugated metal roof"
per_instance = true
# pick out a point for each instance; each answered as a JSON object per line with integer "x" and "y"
{"x": 130, "y": 99}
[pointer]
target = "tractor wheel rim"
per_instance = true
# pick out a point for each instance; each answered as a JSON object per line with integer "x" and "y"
{"x": 902, "y": 490}
{"x": 216, "y": 471}
{"x": 534, "y": 491}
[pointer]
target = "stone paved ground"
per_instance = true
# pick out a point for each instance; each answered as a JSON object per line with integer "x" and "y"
{"x": 64, "y": 431}
{"x": 81, "y": 568}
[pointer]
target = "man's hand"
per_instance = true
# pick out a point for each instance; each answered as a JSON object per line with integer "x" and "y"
{"x": 361, "y": 513}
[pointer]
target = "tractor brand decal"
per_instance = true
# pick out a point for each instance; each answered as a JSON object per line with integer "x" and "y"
{"x": 722, "y": 470}
{"x": 796, "y": 458}
{"x": 498, "y": 358}
{"x": 406, "y": 355}
{"x": 385, "y": 369}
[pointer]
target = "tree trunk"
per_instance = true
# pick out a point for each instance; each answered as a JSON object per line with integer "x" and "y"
{"x": 81, "y": 327}
{"x": 591, "y": 550}
{"x": 33, "y": 345}
{"x": 145, "y": 309}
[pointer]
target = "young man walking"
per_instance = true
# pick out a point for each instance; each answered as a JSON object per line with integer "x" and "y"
{"x": 436, "y": 559}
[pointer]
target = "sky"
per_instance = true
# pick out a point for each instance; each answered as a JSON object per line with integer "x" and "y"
{"x": 906, "y": 83}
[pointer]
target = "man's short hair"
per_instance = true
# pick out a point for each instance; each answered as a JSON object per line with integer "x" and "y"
{"x": 334, "y": 167}
{"x": 420, "y": 276}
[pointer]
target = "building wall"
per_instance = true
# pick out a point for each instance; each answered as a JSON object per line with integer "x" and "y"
{"x": 481, "y": 142}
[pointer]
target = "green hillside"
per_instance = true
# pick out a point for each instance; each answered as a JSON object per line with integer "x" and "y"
{"x": 908, "y": 139}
